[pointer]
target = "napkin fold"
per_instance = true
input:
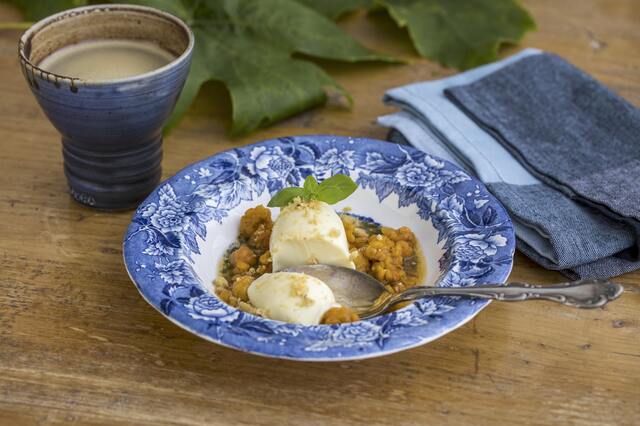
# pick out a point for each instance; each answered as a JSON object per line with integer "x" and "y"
{"x": 566, "y": 213}
{"x": 564, "y": 127}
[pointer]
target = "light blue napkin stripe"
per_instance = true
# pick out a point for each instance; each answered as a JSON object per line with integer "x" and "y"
{"x": 427, "y": 100}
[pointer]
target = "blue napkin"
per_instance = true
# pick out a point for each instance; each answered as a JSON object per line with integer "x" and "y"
{"x": 554, "y": 229}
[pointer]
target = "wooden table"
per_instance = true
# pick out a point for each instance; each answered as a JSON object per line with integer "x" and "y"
{"x": 78, "y": 344}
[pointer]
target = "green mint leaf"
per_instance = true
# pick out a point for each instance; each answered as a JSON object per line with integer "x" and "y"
{"x": 336, "y": 188}
{"x": 460, "y": 33}
{"x": 285, "y": 196}
{"x": 332, "y": 190}
{"x": 310, "y": 187}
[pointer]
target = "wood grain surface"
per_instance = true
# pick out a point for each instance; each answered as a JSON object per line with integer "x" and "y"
{"x": 79, "y": 345}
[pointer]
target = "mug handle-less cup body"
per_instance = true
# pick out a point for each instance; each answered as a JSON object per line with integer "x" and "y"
{"x": 111, "y": 129}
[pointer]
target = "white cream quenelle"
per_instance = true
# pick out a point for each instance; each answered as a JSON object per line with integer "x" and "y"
{"x": 309, "y": 232}
{"x": 291, "y": 297}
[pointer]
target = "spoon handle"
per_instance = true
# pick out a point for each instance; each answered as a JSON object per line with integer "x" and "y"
{"x": 580, "y": 294}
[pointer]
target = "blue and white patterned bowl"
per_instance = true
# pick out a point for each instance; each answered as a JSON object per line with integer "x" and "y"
{"x": 178, "y": 235}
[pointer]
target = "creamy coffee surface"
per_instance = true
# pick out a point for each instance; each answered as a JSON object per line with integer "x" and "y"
{"x": 106, "y": 59}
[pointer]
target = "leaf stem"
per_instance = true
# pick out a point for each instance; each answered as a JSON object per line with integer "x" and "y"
{"x": 15, "y": 25}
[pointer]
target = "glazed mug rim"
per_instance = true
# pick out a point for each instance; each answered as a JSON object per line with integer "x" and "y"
{"x": 38, "y": 26}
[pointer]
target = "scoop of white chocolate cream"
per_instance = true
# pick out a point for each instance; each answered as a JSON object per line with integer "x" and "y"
{"x": 309, "y": 232}
{"x": 291, "y": 297}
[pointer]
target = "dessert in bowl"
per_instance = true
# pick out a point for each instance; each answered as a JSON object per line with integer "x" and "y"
{"x": 254, "y": 275}
{"x": 179, "y": 238}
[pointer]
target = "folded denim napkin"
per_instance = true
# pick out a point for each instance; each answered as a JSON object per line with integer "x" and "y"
{"x": 553, "y": 229}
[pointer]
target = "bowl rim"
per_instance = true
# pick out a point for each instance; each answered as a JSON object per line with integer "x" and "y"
{"x": 26, "y": 37}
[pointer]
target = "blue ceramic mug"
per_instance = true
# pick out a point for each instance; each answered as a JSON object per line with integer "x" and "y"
{"x": 111, "y": 129}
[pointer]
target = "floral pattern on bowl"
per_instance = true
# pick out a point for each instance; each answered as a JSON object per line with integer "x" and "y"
{"x": 182, "y": 229}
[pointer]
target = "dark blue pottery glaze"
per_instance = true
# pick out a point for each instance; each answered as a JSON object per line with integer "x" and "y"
{"x": 111, "y": 129}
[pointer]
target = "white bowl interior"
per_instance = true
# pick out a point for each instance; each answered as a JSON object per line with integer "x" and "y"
{"x": 363, "y": 202}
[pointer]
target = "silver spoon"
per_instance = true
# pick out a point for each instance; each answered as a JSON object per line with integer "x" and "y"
{"x": 360, "y": 291}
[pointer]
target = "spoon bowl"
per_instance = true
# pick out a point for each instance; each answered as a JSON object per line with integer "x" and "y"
{"x": 351, "y": 288}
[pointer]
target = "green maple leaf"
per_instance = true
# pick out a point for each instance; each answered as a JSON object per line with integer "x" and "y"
{"x": 335, "y": 8}
{"x": 460, "y": 33}
{"x": 248, "y": 45}
{"x": 36, "y": 10}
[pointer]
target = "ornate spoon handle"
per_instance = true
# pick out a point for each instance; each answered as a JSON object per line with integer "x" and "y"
{"x": 580, "y": 294}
